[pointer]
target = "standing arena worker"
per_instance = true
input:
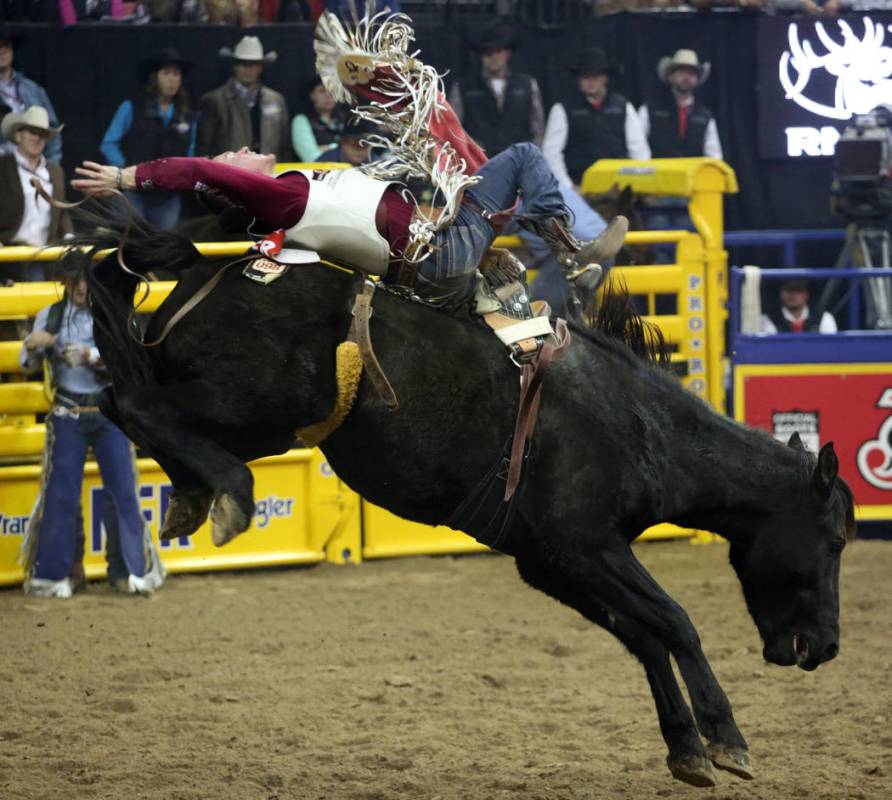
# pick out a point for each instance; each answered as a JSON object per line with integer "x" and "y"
{"x": 156, "y": 122}
{"x": 18, "y": 93}
{"x": 676, "y": 125}
{"x": 595, "y": 122}
{"x": 63, "y": 338}
{"x": 243, "y": 112}
{"x": 496, "y": 105}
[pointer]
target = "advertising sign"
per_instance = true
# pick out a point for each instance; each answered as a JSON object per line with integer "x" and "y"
{"x": 847, "y": 404}
{"x": 814, "y": 76}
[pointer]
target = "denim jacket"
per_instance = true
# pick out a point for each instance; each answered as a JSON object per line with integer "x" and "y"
{"x": 32, "y": 94}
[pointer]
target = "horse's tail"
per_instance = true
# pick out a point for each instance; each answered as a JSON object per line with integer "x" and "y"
{"x": 112, "y": 289}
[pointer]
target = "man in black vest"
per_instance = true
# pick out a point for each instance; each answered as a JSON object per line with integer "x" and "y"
{"x": 676, "y": 125}
{"x": 593, "y": 123}
{"x": 498, "y": 107}
{"x": 793, "y": 315}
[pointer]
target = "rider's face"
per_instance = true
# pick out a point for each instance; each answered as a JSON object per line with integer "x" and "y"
{"x": 263, "y": 163}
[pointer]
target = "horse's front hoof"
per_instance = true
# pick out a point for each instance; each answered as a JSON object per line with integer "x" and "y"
{"x": 697, "y": 771}
{"x": 733, "y": 759}
{"x": 228, "y": 519}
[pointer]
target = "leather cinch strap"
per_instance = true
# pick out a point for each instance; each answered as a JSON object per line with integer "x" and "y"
{"x": 359, "y": 333}
{"x": 530, "y": 394}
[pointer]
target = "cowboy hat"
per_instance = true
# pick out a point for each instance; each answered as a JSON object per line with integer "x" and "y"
{"x": 33, "y": 117}
{"x": 682, "y": 58}
{"x": 593, "y": 60}
{"x": 161, "y": 58}
{"x": 358, "y": 128}
{"x": 13, "y": 38}
{"x": 249, "y": 48}
{"x": 494, "y": 35}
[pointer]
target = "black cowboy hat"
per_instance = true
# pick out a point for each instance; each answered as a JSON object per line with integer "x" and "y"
{"x": 161, "y": 57}
{"x": 14, "y": 39}
{"x": 494, "y": 35}
{"x": 357, "y": 128}
{"x": 795, "y": 283}
{"x": 593, "y": 60}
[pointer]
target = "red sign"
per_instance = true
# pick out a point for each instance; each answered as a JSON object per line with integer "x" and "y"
{"x": 851, "y": 409}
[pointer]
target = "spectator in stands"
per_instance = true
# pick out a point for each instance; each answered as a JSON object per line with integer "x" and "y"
{"x": 352, "y": 149}
{"x": 190, "y": 11}
{"x": 63, "y": 336}
{"x": 321, "y": 127}
{"x": 596, "y": 122}
{"x": 497, "y": 106}
{"x": 794, "y": 316}
{"x": 243, "y": 112}
{"x": 676, "y": 125}
{"x": 825, "y": 8}
{"x": 72, "y": 11}
{"x": 18, "y": 93}
{"x": 155, "y": 123}
{"x": 25, "y": 218}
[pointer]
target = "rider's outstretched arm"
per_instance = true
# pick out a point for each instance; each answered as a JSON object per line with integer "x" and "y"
{"x": 279, "y": 203}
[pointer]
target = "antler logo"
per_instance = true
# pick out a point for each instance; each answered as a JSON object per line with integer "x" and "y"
{"x": 879, "y": 475}
{"x": 862, "y": 68}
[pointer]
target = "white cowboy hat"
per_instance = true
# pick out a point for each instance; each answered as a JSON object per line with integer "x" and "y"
{"x": 33, "y": 117}
{"x": 249, "y": 48}
{"x": 683, "y": 58}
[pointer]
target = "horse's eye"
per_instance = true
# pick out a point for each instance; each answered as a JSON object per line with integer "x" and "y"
{"x": 837, "y": 546}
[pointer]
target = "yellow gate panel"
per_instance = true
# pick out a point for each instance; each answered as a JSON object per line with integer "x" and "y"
{"x": 385, "y": 535}
{"x": 290, "y": 526}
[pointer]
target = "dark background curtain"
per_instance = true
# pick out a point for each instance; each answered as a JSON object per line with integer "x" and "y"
{"x": 89, "y": 69}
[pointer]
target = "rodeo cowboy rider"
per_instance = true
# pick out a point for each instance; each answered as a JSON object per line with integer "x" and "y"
{"x": 63, "y": 337}
{"x": 371, "y": 223}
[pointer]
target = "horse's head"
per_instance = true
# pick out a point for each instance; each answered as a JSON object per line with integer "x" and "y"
{"x": 789, "y": 566}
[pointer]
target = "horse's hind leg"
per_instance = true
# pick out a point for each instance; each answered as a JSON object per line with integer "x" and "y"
{"x": 687, "y": 759}
{"x": 164, "y": 428}
{"x": 191, "y": 498}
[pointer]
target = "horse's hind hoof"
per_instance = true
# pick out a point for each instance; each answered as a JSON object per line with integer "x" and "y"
{"x": 733, "y": 759}
{"x": 185, "y": 514}
{"x": 697, "y": 771}
{"x": 228, "y": 519}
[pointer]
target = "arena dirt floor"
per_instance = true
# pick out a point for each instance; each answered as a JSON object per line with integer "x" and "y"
{"x": 418, "y": 678}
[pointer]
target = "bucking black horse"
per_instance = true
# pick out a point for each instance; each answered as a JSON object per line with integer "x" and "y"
{"x": 619, "y": 446}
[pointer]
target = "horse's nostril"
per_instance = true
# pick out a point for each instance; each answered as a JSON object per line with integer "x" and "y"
{"x": 831, "y": 651}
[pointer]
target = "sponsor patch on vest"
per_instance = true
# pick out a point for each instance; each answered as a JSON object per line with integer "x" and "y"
{"x": 262, "y": 270}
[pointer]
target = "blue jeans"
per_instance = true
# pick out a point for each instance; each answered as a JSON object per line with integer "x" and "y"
{"x": 161, "y": 210}
{"x": 521, "y": 168}
{"x": 57, "y": 514}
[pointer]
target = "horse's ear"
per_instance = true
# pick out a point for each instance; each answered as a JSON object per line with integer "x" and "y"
{"x": 613, "y": 193}
{"x": 827, "y": 468}
{"x": 626, "y": 194}
{"x": 796, "y": 442}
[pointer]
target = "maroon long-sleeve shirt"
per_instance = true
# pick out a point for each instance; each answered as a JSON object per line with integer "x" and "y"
{"x": 275, "y": 202}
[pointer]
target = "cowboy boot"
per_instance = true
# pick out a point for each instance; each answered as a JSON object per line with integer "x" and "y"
{"x": 582, "y": 261}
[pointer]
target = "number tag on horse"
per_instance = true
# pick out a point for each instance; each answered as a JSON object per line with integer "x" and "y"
{"x": 263, "y": 270}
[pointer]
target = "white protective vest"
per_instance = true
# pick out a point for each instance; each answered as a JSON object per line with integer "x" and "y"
{"x": 339, "y": 220}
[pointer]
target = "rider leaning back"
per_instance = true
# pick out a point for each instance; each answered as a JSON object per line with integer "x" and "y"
{"x": 362, "y": 221}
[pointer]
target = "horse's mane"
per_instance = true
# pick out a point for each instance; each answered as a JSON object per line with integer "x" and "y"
{"x": 613, "y": 324}
{"x": 108, "y": 223}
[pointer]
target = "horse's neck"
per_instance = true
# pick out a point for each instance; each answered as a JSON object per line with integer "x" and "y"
{"x": 727, "y": 475}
